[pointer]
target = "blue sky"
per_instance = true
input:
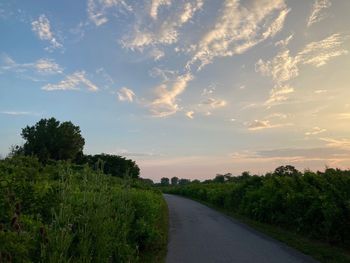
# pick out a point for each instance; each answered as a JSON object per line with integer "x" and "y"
{"x": 187, "y": 88}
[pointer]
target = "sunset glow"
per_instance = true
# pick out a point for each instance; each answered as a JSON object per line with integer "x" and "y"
{"x": 187, "y": 88}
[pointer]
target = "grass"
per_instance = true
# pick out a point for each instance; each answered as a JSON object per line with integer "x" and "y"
{"x": 66, "y": 213}
{"x": 320, "y": 251}
{"x": 159, "y": 255}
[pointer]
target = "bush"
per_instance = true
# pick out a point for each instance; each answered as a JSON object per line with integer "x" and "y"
{"x": 62, "y": 212}
{"x": 314, "y": 204}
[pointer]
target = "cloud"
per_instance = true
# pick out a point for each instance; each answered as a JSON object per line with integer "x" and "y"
{"x": 42, "y": 28}
{"x": 320, "y": 52}
{"x": 97, "y": 9}
{"x": 337, "y": 143}
{"x": 190, "y": 114}
{"x": 315, "y": 131}
{"x": 47, "y": 66}
{"x": 240, "y": 27}
{"x": 317, "y": 11}
{"x": 43, "y": 66}
{"x": 125, "y": 94}
{"x": 152, "y": 32}
{"x": 165, "y": 103}
{"x": 284, "y": 42}
{"x": 343, "y": 116}
{"x": 156, "y": 54}
{"x": 278, "y": 94}
{"x": 285, "y": 67}
{"x": 258, "y": 125}
{"x": 294, "y": 155}
{"x": 72, "y": 82}
{"x": 164, "y": 74}
{"x": 155, "y": 5}
{"x": 320, "y": 91}
{"x": 264, "y": 124}
{"x": 17, "y": 113}
{"x": 214, "y": 103}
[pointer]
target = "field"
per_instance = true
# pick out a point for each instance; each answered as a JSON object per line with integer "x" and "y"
{"x": 291, "y": 206}
{"x": 60, "y": 212}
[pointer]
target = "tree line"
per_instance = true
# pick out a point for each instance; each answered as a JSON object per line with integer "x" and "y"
{"x": 315, "y": 204}
{"x": 51, "y": 140}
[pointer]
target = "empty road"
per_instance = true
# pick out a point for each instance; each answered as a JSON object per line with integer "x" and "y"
{"x": 200, "y": 234}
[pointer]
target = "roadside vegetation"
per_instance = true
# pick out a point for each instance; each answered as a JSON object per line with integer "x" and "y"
{"x": 310, "y": 211}
{"x": 56, "y": 207}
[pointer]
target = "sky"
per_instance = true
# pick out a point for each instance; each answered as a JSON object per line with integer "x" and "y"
{"x": 187, "y": 88}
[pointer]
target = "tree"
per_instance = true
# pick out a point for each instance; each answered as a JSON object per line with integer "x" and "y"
{"x": 111, "y": 164}
{"x": 184, "y": 181}
{"x": 164, "y": 181}
{"x": 219, "y": 178}
{"x": 50, "y": 139}
{"x": 287, "y": 170}
{"x": 174, "y": 180}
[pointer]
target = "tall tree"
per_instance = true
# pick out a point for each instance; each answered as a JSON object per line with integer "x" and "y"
{"x": 50, "y": 139}
{"x": 164, "y": 181}
{"x": 174, "y": 180}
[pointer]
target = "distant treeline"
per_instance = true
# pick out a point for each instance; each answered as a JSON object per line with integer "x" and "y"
{"x": 314, "y": 204}
{"x": 50, "y": 140}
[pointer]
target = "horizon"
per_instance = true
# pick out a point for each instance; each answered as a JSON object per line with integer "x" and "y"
{"x": 185, "y": 88}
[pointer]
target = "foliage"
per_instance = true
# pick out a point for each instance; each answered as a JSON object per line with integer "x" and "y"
{"x": 111, "y": 164}
{"x": 164, "y": 181}
{"x": 50, "y": 139}
{"x": 174, "y": 180}
{"x": 69, "y": 213}
{"x": 317, "y": 205}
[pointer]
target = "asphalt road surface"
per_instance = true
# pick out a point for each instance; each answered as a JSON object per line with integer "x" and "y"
{"x": 200, "y": 234}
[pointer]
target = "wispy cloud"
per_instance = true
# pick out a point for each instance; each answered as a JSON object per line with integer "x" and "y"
{"x": 126, "y": 94}
{"x": 18, "y": 113}
{"x": 43, "y": 30}
{"x": 43, "y": 66}
{"x": 315, "y": 131}
{"x": 165, "y": 103}
{"x": 155, "y": 5}
{"x": 317, "y": 12}
{"x": 343, "y": 116}
{"x": 240, "y": 28}
{"x": 318, "y": 53}
{"x": 264, "y": 124}
{"x": 285, "y": 67}
{"x": 190, "y": 114}
{"x": 72, "y": 82}
{"x": 337, "y": 143}
{"x": 214, "y": 103}
{"x": 156, "y": 54}
{"x": 97, "y": 9}
{"x": 47, "y": 66}
{"x": 151, "y": 31}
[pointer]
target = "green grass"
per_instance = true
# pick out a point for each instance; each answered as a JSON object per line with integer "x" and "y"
{"x": 159, "y": 255}
{"x": 320, "y": 251}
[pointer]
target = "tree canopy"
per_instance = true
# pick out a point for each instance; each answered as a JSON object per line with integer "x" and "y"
{"x": 112, "y": 164}
{"x": 50, "y": 139}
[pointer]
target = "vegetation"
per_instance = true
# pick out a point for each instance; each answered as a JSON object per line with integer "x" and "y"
{"x": 68, "y": 213}
{"x": 50, "y": 139}
{"x": 59, "y": 205}
{"x": 313, "y": 205}
{"x": 112, "y": 164}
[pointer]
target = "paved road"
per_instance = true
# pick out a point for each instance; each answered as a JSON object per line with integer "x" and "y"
{"x": 200, "y": 234}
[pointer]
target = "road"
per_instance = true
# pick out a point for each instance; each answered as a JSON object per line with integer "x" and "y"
{"x": 200, "y": 234}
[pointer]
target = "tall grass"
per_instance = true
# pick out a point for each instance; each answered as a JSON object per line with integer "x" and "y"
{"x": 73, "y": 214}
